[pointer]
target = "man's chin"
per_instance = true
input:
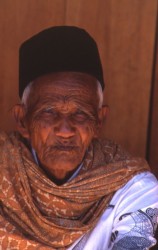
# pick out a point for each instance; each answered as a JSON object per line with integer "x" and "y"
{"x": 64, "y": 162}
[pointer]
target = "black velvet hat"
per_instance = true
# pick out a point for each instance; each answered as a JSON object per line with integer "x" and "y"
{"x": 58, "y": 49}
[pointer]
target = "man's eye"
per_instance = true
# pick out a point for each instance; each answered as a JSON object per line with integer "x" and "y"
{"x": 49, "y": 111}
{"x": 80, "y": 116}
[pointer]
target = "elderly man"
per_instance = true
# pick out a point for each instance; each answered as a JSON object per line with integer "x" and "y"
{"x": 61, "y": 186}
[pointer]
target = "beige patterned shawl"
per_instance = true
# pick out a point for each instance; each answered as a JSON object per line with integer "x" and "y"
{"x": 37, "y": 214}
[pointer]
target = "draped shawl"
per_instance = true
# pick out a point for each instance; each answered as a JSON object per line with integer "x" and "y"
{"x": 35, "y": 213}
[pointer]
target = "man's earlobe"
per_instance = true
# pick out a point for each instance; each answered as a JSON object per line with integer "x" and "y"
{"x": 103, "y": 112}
{"x": 18, "y": 113}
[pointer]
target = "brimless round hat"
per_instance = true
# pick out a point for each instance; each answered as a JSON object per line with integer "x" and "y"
{"x": 58, "y": 49}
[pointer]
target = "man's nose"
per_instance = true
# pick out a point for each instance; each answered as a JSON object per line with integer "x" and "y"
{"x": 64, "y": 128}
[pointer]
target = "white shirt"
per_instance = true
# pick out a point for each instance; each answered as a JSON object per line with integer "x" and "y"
{"x": 130, "y": 220}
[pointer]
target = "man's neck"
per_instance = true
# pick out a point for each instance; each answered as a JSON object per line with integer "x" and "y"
{"x": 58, "y": 181}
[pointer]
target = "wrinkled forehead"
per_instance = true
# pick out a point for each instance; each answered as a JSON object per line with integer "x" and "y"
{"x": 66, "y": 84}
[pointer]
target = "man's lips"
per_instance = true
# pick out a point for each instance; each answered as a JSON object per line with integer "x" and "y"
{"x": 65, "y": 148}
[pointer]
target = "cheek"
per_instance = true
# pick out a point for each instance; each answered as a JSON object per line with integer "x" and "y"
{"x": 38, "y": 135}
{"x": 87, "y": 133}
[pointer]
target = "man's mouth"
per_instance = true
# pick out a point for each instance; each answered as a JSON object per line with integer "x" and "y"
{"x": 65, "y": 148}
{"x": 67, "y": 152}
{"x": 62, "y": 148}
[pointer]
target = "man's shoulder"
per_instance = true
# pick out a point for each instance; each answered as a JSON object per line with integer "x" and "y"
{"x": 10, "y": 142}
{"x": 8, "y": 137}
{"x": 112, "y": 151}
{"x": 112, "y": 155}
{"x": 3, "y": 137}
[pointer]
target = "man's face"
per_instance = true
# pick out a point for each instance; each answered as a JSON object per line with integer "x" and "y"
{"x": 61, "y": 120}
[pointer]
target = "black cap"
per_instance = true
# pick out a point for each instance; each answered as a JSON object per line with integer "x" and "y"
{"x": 58, "y": 49}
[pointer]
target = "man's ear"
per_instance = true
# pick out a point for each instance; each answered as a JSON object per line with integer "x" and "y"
{"x": 102, "y": 114}
{"x": 18, "y": 113}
